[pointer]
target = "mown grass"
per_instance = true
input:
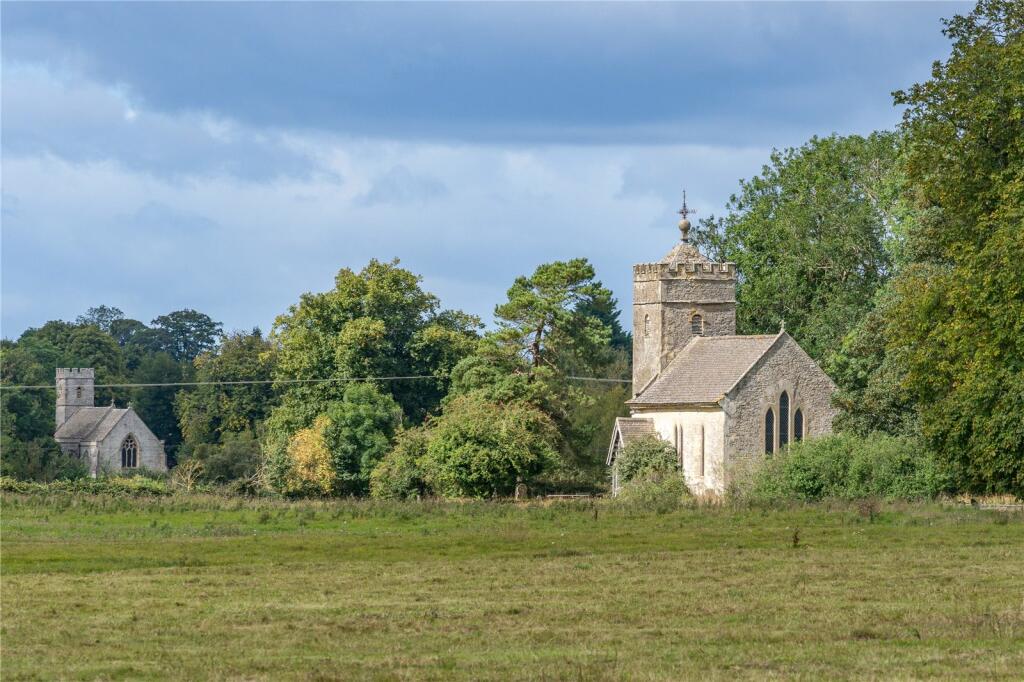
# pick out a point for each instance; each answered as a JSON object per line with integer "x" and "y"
{"x": 192, "y": 587}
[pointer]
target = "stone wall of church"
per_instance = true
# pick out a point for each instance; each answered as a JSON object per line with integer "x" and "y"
{"x": 786, "y": 367}
{"x": 151, "y": 450}
{"x": 698, "y": 435}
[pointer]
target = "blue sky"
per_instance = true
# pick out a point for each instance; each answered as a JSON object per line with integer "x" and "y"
{"x": 229, "y": 157}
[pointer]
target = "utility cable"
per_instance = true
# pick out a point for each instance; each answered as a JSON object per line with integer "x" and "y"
{"x": 251, "y": 382}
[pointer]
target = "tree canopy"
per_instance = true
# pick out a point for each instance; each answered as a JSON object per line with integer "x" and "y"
{"x": 958, "y": 315}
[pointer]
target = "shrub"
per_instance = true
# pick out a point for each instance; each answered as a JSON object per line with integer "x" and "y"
{"x": 845, "y": 466}
{"x": 237, "y": 457}
{"x": 133, "y": 486}
{"x": 40, "y": 459}
{"x": 400, "y": 475}
{"x": 645, "y": 458}
{"x": 337, "y": 452}
{"x": 661, "y": 493}
{"x": 310, "y": 472}
{"x": 481, "y": 448}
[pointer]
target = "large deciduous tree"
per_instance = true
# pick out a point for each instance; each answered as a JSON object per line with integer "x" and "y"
{"x": 218, "y": 406}
{"x": 374, "y": 323}
{"x": 189, "y": 333}
{"x": 812, "y": 237}
{"x": 958, "y": 314}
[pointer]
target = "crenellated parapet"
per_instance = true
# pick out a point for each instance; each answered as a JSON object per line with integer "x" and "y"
{"x": 684, "y": 269}
{"x": 76, "y": 373}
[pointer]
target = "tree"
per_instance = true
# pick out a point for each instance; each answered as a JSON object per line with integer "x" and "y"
{"x": 401, "y": 474}
{"x": 89, "y": 347}
{"x": 481, "y": 449}
{"x": 958, "y": 316}
{"x": 236, "y": 457}
{"x": 872, "y": 396}
{"x": 549, "y": 315}
{"x": 337, "y": 452}
{"x": 557, "y": 322}
{"x": 124, "y": 330}
{"x": 39, "y": 459}
{"x": 210, "y": 411}
{"x": 155, "y": 404}
{"x": 359, "y": 434}
{"x": 377, "y": 322}
{"x": 27, "y": 414}
{"x": 102, "y": 316}
{"x": 189, "y": 333}
{"x": 813, "y": 237}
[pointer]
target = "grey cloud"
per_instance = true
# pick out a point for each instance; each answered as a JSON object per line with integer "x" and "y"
{"x": 399, "y": 185}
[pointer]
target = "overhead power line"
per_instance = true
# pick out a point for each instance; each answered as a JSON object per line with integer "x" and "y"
{"x": 250, "y": 382}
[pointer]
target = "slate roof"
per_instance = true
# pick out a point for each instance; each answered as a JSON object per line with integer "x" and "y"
{"x": 705, "y": 370}
{"x": 90, "y": 424}
{"x": 630, "y": 429}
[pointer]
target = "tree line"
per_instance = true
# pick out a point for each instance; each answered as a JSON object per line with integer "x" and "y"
{"x": 896, "y": 259}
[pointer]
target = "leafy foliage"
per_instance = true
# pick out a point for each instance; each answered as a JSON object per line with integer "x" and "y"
{"x": 337, "y": 453}
{"x": 846, "y": 466}
{"x": 647, "y": 458}
{"x": 209, "y": 412}
{"x": 236, "y": 457}
{"x": 39, "y": 459}
{"x": 958, "y": 315}
{"x": 377, "y": 322}
{"x": 479, "y": 448}
{"x": 548, "y": 316}
{"x": 189, "y": 333}
{"x": 813, "y": 237}
{"x": 401, "y": 474}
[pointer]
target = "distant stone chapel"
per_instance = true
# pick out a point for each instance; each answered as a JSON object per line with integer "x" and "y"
{"x": 718, "y": 398}
{"x": 106, "y": 439}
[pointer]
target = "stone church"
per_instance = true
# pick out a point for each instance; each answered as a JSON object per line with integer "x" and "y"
{"x": 718, "y": 398}
{"x": 107, "y": 439}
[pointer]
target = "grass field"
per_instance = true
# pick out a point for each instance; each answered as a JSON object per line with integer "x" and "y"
{"x": 206, "y": 587}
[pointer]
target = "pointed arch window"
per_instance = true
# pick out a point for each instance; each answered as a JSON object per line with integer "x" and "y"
{"x": 798, "y": 425}
{"x": 783, "y": 419}
{"x": 647, "y": 325}
{"x": 697, "y": 325}
{"x": 129, "y": 452}
{"x": 769, "y": 432}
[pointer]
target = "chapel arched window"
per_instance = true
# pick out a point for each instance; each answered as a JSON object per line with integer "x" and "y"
{"x": 798, "y": 425}
{"x": 129, "y": 453}
{"x": 783, "y": 419}
{"x": 769, "y": 432}
{"x": 697, "y": 325}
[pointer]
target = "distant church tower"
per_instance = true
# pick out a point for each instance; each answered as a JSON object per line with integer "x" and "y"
{"x": 681, "y": 296}
{"x": 74, "y": 391}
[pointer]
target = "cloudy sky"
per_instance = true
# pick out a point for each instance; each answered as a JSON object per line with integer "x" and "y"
{"x": 229, "y": 157}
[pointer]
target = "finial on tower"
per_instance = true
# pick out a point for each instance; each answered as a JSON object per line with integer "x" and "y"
{"x": 684, "y": 224}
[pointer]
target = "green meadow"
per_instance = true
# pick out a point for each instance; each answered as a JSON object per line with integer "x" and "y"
{"x": 206, "y": 587}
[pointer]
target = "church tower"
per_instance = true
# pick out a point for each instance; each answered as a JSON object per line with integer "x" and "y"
{"x": 681, "y": 296}
{"x": 75, "y": 390}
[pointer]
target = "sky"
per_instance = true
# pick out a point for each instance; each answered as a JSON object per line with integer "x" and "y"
{"x": 228, "y": 157}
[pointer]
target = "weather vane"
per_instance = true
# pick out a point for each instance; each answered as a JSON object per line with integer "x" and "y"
{"x": 684, "y": 224}
{"x": 685, "y": 211}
